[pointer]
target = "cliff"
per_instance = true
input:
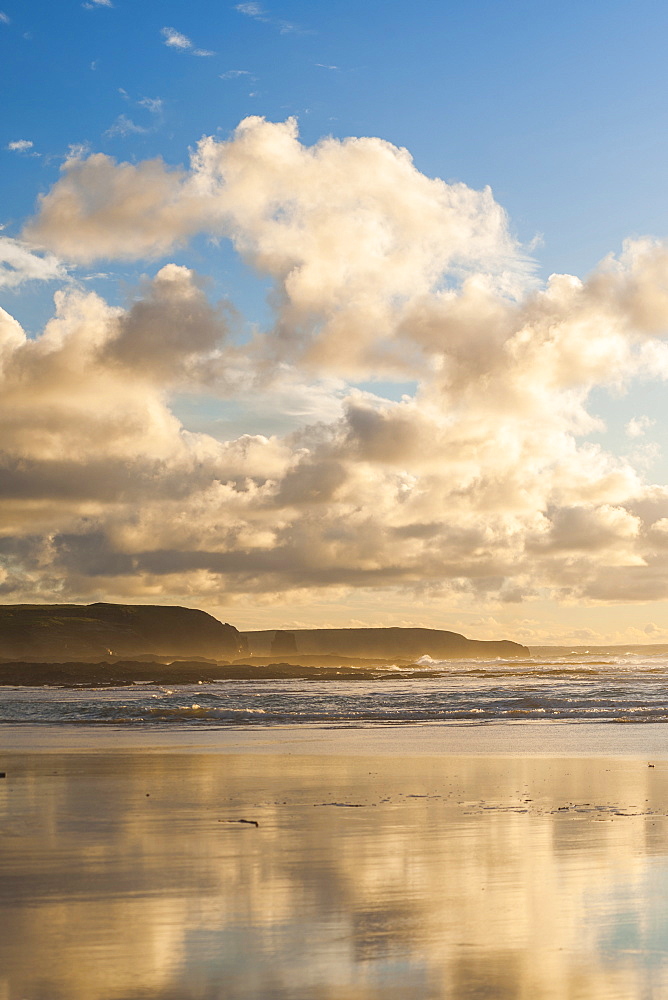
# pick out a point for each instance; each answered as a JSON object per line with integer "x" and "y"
{"x": 57, "y": 632}
{"x": 400, "y": 643}
{"x": 52, "y": 633}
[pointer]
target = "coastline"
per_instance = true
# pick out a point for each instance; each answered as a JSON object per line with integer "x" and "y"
{"x": 545, "y": 738}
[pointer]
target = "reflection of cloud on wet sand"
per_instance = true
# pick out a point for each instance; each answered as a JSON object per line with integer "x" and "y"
{"x": 453, "y": 876}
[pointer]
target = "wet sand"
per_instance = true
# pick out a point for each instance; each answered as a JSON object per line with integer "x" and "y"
{"x": 385, "y": 863}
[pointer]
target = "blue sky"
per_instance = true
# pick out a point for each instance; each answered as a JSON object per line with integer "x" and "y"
{"x": 561, "y": 109}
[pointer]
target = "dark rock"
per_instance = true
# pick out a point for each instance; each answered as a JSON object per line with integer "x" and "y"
{"x": 283, "y": 643}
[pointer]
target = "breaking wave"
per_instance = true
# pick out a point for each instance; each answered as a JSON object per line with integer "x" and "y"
{"x": 616, "y": 689}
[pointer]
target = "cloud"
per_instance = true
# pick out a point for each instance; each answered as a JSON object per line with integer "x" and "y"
{"x": 153, "y": 104}
{"x": 349, "y": 230}
{"x": 96, "y": 4}
{"x": 77, "y": 151}
{"x": 172, "y": 323}
{"x": 175, "y": 40}
{"x": 483, "y": 484}
{"x": 254, "y": 10}
{"x": 233, "y": 74}
{"x": 124, "y": 126}
{"x": 125, "y": 194}
{"x": 637, "y": 426}
{"x": 4, "y": 18}
{"x": 288, "y": 28}
{"x": 21, "y": 145}
{"x": 257, "y": 12}
{"x": 19, "y": 264}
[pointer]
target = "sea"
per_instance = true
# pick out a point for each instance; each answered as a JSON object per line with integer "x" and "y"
{"x": 578, "y": 687}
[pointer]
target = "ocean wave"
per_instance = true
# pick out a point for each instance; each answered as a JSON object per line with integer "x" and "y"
{"x": 433, "y": 691}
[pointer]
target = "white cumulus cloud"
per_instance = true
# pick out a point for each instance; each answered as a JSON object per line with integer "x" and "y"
{"x": 483, "y": 483}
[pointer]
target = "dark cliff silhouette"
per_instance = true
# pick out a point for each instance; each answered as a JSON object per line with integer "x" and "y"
{"x": 400, "y": 643}
{"x": 60, "y": 632}
{"x": 96, "y": 634}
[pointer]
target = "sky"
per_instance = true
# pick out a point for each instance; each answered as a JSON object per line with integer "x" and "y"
{"x": 343, "y": 314}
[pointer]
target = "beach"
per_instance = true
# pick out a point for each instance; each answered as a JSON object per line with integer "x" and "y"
{"x": 334, "y": 501}
{"x": 505, "y": 861}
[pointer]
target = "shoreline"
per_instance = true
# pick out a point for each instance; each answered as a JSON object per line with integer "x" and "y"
{"x": 546, "y": 738}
